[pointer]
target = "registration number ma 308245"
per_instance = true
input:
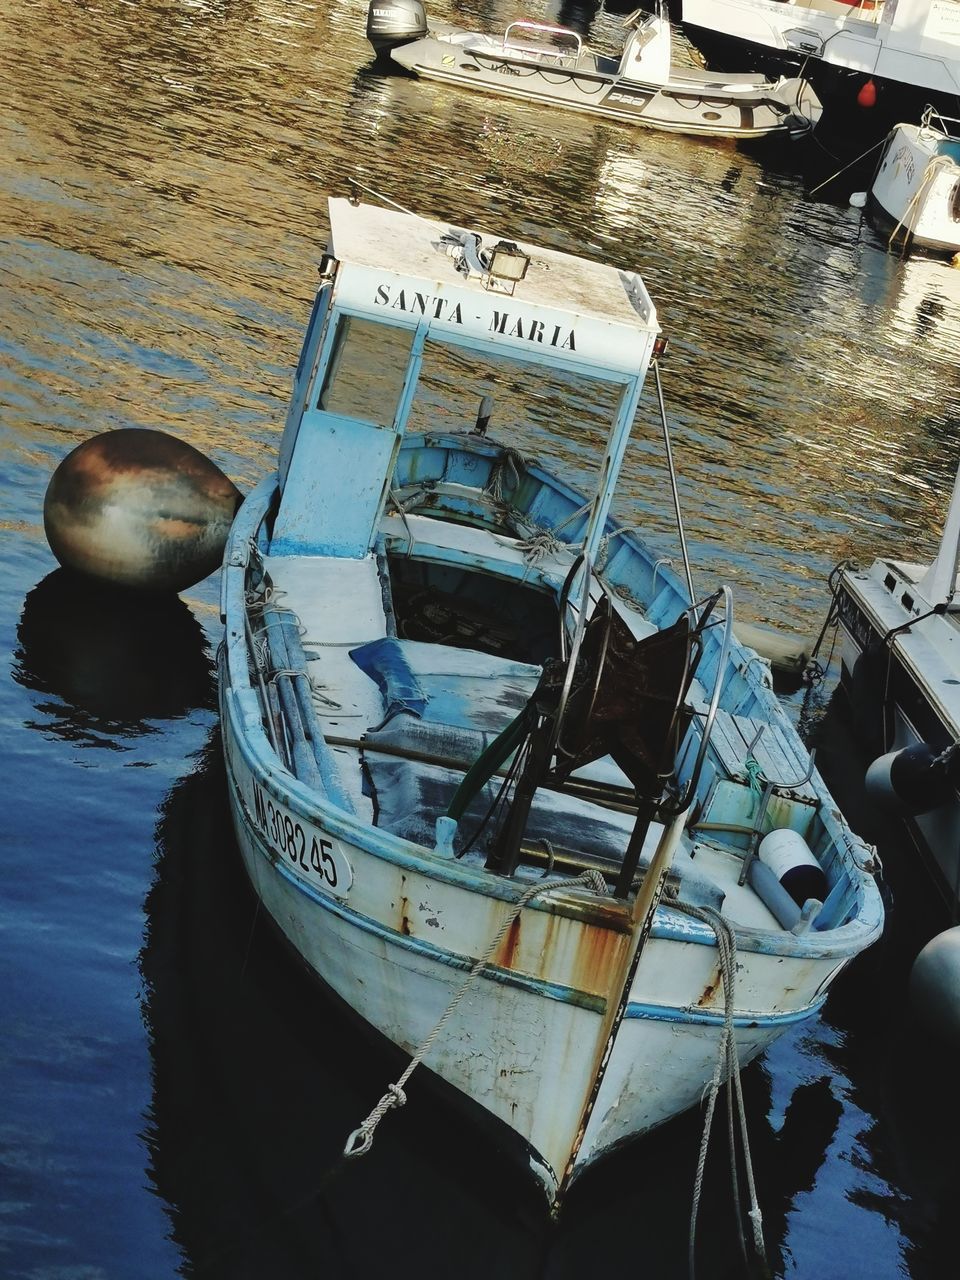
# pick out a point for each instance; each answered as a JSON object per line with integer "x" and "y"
{"x": 304, "y": 846}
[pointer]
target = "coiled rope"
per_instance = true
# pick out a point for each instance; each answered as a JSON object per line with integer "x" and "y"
{"x": 727, "y": 1070}
{"x": 361, "y": 1139}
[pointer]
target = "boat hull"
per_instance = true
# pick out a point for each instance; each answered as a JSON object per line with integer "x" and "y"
{"x": 526, "y": 1042}
{"x": 917, "y": 188}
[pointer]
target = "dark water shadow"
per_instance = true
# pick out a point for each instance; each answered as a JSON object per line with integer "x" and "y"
{"x": 901, "y": 1076}
{"x": 258, "y": 1079}
{"x": 108, "y": 661}
{"x": 259, "y": 1076}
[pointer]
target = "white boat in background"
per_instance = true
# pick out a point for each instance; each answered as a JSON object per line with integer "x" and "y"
{"x": 551, "y": 65}
{"x": 913, "y": 43}
{"x": 900, "y": 666}
{"x": 917, "y": 184}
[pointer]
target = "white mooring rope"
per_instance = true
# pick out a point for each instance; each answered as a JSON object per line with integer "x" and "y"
{"x": 361, "y": 1140}
{"x": 727, "y": 1071}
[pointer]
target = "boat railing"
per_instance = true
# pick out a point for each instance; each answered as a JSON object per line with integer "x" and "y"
{"x": 933, "y": 122}
{"x": 726, "y": 595}
{"x": 537, "y": 31}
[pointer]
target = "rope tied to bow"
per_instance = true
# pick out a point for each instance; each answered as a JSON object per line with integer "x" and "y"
{"x": 361, "y": 1139}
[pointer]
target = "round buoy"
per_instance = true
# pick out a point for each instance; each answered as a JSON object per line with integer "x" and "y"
{"x": 935, "y": 986}
{"x": 867, "y": 97}
{"x": 139, "y": 508}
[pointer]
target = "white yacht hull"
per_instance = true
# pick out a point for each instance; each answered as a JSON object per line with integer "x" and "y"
{"x": 916, "y": 42}
{"x": 919, "y": 673}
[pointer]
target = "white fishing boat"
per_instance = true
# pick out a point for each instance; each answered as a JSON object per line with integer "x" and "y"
{"x": 900, "y": 665}
{"x": 551, "y": 65}
{"x": 503, "y": 784}
{"x": 917, "y": 184}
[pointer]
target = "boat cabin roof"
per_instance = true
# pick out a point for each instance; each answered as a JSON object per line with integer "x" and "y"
{"x": 403, "y": 269}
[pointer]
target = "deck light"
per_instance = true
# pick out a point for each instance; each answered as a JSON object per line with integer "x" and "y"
{"x": 508, "y": 261}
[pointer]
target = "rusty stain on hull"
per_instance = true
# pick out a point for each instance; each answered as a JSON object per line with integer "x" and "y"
{"x": 505, "y": 956}
{"x": 710, "y": 990}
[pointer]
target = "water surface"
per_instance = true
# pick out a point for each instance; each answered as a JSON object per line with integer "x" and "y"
{"x": 175, "y": 1095}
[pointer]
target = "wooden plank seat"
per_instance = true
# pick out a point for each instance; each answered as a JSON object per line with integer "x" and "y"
{"x": 737, "y": 738}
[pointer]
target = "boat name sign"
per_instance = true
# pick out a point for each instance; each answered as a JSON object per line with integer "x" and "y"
{"x": 312, "y": 854}
{"x": 492, "y": 318}
{"x": 438, "y": 307}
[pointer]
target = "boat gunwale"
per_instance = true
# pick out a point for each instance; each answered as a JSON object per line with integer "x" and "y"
{"x": 840, "y": 941}
{"x": 689, "y": 931}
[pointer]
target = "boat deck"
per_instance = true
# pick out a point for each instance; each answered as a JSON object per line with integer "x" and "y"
{"x": 376, "y": 697}
{"x": 930, "y": 649}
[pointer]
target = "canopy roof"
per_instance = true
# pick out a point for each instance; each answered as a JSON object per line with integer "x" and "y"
{"x": 401, "y": 268}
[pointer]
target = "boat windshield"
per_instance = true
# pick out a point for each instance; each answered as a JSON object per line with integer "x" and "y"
{"x": 534, "y": 408}
{"x": 537, "y": 407}
{"x": 366, "y": 371}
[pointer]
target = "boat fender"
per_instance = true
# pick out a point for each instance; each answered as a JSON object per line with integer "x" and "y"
{"x": 778, "y": 902}
{"x": 911, "y": 781}
{"x": 935, "y": 985}
{"x": 391, "y": 23}
{"x": 791, "y": 860}
{"x": 867, "y": 97}
{"x": 446, "y": 831}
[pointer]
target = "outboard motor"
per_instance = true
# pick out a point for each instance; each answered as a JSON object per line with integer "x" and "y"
{"x": 391, "y": 23}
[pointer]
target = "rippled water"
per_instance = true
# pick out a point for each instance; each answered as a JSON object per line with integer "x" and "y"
{"x": 173, "y": 1096}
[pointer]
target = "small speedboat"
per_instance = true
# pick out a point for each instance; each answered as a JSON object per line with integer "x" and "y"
{"x": 548, "y": 64}
{"x": 917, "y": 184}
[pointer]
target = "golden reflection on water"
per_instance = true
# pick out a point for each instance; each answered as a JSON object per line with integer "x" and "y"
{"x": 163, "y": 184}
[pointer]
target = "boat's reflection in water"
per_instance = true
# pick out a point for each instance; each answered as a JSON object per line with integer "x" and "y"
{"x": 259, "y": 1077}
{"x": 115, "y": 660}
{"x": 258, "y": 1080}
